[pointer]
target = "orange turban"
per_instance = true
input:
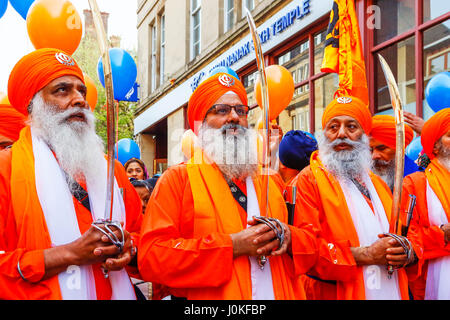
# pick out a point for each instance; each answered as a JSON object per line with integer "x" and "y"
{"x": 36, "y": 70}
{"x": 11, "y": 122}
{"x": 383, "y": 130}
{"x": 434, "y": 129}
{"x": 349, "y": 106}
{"x": 208, "y": 92}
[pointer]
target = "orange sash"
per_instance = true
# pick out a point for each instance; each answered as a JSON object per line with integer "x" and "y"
{"x": 341, "y": 224}
{"x": 439, "y": 177}
{"x": 30, "y": 220}
{"x": 216, "y": 210}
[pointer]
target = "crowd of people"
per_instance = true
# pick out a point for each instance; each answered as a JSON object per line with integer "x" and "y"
{"x": 202, "y": 230}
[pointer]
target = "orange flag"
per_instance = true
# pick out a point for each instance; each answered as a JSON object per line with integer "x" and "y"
{"x": 343, "y": 51}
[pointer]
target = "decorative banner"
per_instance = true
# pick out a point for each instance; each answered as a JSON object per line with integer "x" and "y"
{"x": 437, "y": 91}
{"x": 92, "y": 94}
{"x": 281, "y": 88}
{"x": 22, "y": 6}
{"x": 54, "y": 24}
{"x": 124, "y": 72}
{"x": 133, "y": 94}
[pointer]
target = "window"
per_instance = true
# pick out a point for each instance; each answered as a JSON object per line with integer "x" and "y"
{"x": 195, "y": 28}
{"x": 229, "y": 14}
{"x": 162, "y": 52}
{"x": 415, "y": 41}
{"x": 153, "y": 58}
{"x": 247, "y": 4}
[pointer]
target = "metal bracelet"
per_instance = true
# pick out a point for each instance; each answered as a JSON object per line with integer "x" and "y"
{"x": 20, "y": 272}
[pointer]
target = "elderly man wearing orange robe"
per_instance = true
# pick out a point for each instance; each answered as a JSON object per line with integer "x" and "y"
{"x": 11, "y": 122}
{"x": 382, "y": 144}
{"x": 432, "y": 211}
{"x": 49, "y": 248}
{"x": 349, "y": 209}
{"x": 200, "y": 239}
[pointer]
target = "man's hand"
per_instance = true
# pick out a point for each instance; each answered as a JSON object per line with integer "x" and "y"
{"x": 414, "y": 121}
{"x": 385, "y": 250}
{"x": 446, "y": 229}
{"x": 249, "y": 241}
{"x": 122, "y": 259}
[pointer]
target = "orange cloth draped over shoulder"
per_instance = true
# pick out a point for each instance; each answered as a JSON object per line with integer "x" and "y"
{"x": 321, "y": 203}
{"x": 208, "y": 92}
{"x": 349, "y": 106}
{"x": 383, "y": 130}
{"x": 11, "y": 122}
{"x": 186, "y": 242}
{"x": 36, "y": 70}
{"x": 433, "y": 129}
{"x": 24, "y": 231}
{"x": 432, "y": 236}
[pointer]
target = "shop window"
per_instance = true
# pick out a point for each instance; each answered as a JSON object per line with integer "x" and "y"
{"x": 319, "y": 46}
{"x": 247, "y": 4}
{"x": 434, "y": 8}
{"x": 401, "y": 59}
{"x": 396, "y": 17}
{"x": 324, "y": 89}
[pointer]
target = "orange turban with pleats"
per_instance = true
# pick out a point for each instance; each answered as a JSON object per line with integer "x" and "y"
{"x": 349, "y": 106}
{"x": 208, "y": 92}
{"x": 383, "y": 130}
{"x": 433, "y": 129}
{"x": 36, "y": 70}
{"x": 11, "y": 122}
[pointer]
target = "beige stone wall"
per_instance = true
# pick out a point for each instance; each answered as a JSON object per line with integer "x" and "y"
{"x": 175, "y": 130}
{"x": 147, "y": 146}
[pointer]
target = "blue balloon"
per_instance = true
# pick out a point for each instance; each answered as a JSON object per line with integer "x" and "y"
{"x": 413, "y": 150}
{"x": 224, "y": 70}
{"x": 22, "y": 6}
{"x": 410, "y": 166}
{"x": 3, "y": 7}
{"x": 437, "y": 91}
{"x": 124, "y": 72}
{"x": 127, "y": 149}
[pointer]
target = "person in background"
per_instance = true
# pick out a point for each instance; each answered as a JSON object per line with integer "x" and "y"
{"x": 144, "y": 190}
{"x": 135, "y": 168}
{"x": 11, "y": 122}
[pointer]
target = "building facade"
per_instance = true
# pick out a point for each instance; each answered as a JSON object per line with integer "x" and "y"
{"x": 181, "y": 41}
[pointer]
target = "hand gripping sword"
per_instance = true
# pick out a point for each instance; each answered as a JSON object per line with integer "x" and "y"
{"x": 399, "y": 158}
{"x": 274, "y": 224}
{"x": 111, "y": 128}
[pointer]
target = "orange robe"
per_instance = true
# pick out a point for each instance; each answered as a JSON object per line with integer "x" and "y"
{"x": 185, "y": 238}
{"x": 321, "y": 204}
{"x": 24, "y": 235}
{"x": 432, "y": 237}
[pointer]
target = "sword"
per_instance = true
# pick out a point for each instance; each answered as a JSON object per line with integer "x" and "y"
{"x": 400, "y": 149}
{"x": 274, "y": 224}
{"x": 111, "y": 131}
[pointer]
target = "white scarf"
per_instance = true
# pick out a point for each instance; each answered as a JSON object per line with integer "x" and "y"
{"x": 77, "y": 282}
{"x": 438, "y": 275}
{"x": 262, "y": 286}
{"x": 368, "y": 225}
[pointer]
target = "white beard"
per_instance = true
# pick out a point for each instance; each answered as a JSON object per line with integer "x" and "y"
{"x": 78, "y": 149}
{"x": 443, "y": 155}
{"x": 385, "y": 170}
{"x": 346, "y": 163}
{"x": 234, "y": 154}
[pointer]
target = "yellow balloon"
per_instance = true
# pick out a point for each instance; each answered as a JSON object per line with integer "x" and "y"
{"x": 188, "y": 143}
{"x": 4, "y": 98}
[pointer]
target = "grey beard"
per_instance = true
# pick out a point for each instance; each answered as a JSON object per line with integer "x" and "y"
{"x": 386, "y": 171}
{"x": 350, "y": 164}
{"x": 234, "y": 154}
{"x": 78, "y": 149}
{"x": 443, "y": 155}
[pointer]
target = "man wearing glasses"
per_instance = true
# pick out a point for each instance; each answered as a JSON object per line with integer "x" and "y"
{"x": 201, "y": 240}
